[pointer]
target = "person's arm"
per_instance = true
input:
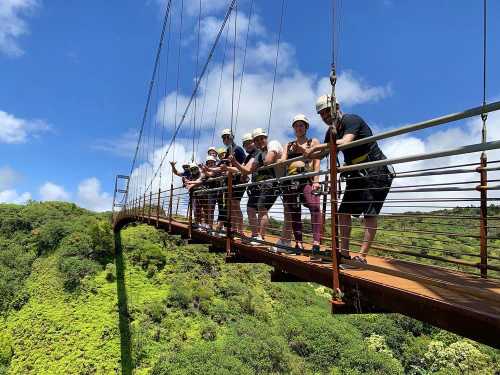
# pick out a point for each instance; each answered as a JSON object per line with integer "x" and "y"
{"x": 246, "y": 169}
{"x": 174, "y": 170}
{"x": 316, "y": 166}
{"x": 271, "y": 157}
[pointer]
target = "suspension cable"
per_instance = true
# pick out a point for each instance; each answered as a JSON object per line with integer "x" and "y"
{"x": 231, "y": 151}
{"x": 276, "y": 65}
{"x": 250, "y": 14}
{"x": 484, "y": 116}
{"x": 196, "y": 75}
{"x": 151, "y": 84}
{"x": 202, "y": 74}
{"x": 220, "y": 85}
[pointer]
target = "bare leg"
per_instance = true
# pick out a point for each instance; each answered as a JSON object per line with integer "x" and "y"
{"x": 252, "y": 220}
{"x": 370, "y": 231}
{"x": 263, "y": 221}
{"x": 345, "y": 223}
{"x": 237, "y": 217}
{"x": 286, "y": 235}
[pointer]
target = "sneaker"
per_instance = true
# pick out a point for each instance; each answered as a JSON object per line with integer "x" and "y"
{"x": 298, "y": 249}
{"x": 281, "y": 242}
{"x": 316, "y": 254}
{"x": 255, "y": 243}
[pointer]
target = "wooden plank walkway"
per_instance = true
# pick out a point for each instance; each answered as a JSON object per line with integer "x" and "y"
{"x": 458, "y": 302}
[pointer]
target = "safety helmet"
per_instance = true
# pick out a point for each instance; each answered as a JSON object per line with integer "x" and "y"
{"x": 258, "y": 132}
{"x": 324, "y": 101}
{"x": 193, "y": 165}
{"x": 247, "y": 137}
{"x": 226, "y": 132}
{"x": 210, "y": 158}
{"x": 301, "y": 117}
{"x": 211, "y": 148}
{"x": 221, "y": 150}
{"x": 185, "y": 165}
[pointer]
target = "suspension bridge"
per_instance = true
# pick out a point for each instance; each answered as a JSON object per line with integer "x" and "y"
{"x": 436, "y": 257}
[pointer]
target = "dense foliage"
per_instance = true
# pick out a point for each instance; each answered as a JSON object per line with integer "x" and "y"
{"x": 70, "y": 304}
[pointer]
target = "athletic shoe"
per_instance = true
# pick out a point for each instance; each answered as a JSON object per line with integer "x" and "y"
{"x": 298, "y": 250}
{"x": 277, "y": 249}
{"x": 255, "y": 243}
{"x": 316, "y": 253}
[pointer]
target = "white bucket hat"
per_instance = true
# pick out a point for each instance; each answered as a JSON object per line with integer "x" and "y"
{"x": 301, "y": 117}
{"x": 258, "y": 132}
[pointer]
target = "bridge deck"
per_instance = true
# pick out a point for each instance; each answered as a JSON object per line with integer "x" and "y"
{"x": 461, "y": 303}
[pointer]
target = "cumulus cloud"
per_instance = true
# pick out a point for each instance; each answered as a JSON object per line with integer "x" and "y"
{"x": 52, "y": 192}
{"x": 13, "y": 24}
{"x": 17, "y": 130}
{"x": 8, "y": 178}
{"x": 124, "y": 145}
{"x": 91, "y": 197}
{"x": 12, "y": 196}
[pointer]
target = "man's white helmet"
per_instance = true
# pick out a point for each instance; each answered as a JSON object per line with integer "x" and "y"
{"x": 324, "y": 101}
{"x": 258, "y": 132}
{"x": 247, "y": 137}
{"x": 226, "y": 132}
{"x": 193, "y": 165}
{"x": 210, "y": 158}
{"x": 211, "y": 148}
{"x": 301, "y": 117}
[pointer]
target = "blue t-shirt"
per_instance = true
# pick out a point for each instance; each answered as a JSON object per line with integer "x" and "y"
{"x": 239, "y": 153}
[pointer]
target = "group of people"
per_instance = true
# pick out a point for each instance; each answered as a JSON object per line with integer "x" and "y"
{"x": 257, "y": 167}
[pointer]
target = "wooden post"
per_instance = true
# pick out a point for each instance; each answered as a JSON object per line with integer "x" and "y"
{"x": 229, "y": 215}
{"x": 177, "y": 206}
{"x": 483, "y": 217}
{"x": 337, "y": 293}
{"x": 170, "y": 208}
{"x": 323, "y": 215}
{"x": 158, "y": 209}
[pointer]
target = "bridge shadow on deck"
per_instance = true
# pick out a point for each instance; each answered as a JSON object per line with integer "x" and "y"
{"x": 123, "y": 314}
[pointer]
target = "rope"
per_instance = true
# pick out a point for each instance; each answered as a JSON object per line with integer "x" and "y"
{"x": 484, "y": 115}
{"x": 151, "y": 84}
{"x": 202, "y": 74}
{"x": 250, "y": 14}
{"x": 276, "y": 65}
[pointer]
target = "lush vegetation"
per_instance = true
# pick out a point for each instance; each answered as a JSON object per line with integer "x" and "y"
{"x": 70, "y": 304}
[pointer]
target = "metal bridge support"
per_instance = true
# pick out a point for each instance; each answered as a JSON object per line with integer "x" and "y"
{"x": 149, "y": 208}
{"x": 158, "y": 208}
{"x": 170, "y": 208}
{"x": 337, "y": 303}
{"x": 229, "y": 217}
{"x": 483, "y": 266}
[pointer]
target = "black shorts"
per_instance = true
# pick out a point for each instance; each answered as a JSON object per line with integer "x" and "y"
{"x": 253, "y": 196}
{"x": 366, "y": 191}
{"x": 239, "y": 192}
{"x": 268, "y": 193}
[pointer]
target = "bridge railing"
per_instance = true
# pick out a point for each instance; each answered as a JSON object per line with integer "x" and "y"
{"x": 441, "y": 209}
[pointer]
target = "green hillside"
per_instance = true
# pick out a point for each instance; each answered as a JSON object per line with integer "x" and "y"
{"x": 72, "y": 304}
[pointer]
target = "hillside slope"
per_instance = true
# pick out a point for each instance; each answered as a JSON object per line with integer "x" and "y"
{"x": 71, "y": 304}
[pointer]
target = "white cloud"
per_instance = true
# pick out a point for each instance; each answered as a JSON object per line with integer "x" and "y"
{"x": 352, "y": 89}
{"x": 18, "y": 130}
{"x": 12, "y": 196}
{"x": 8, "y": 178}
{"x": 12, "y": 24}
{"x": 91, "y": 197}
{"x": 52, "y": 192}
{"x": 124, "y": 145}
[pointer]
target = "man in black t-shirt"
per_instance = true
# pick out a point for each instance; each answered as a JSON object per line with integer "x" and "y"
{"x": 366, "y": 189}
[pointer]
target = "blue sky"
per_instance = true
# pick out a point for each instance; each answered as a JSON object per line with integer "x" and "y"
{"x": 74, "y": 78}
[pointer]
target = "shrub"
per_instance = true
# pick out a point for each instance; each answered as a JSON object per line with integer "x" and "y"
{"x": 75, "y": 269}
{"x": 49, "y": 236}
{"x": 77, "y": 244}
{"x": 209, "y": 332}
{"x": 110, "y": 272}
{"x": 6, "y": 351}
{"x": 156, "y": 311}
